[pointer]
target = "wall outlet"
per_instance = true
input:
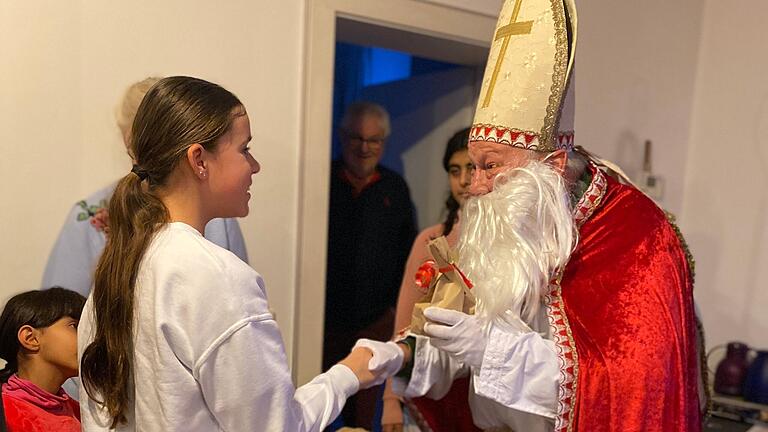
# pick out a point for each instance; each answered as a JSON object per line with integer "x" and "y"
{"x": 652, "y": 185}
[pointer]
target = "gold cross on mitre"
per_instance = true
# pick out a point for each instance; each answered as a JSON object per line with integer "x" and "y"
{"x": 506, "y": 32}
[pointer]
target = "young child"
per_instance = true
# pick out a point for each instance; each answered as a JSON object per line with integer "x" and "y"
{"x": 176, "y": 334}
{"x": 38, "y": 341}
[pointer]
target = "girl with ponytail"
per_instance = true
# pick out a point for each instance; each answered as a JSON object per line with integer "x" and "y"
{"x": 459, "y": 168}
{"x": 84, "y": 234}
{"x": 177, "y": 334}
{"x": 38, "y": 341}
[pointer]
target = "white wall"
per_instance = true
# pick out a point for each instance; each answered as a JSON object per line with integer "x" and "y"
{"x": 725, "y": 210}
{"x": 635, "y": 69}
{"x": 485, "y": 7}
{"x": 64, "y": 66}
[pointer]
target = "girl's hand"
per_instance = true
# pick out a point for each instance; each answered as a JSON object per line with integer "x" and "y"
{"x": 387, "y": 358}
{"x": 357, "y": 361}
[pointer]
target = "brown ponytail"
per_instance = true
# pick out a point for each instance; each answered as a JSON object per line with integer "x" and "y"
{"x": 175, "y": 113}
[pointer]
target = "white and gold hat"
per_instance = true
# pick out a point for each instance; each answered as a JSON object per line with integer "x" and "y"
{"x": 524, "y": 91}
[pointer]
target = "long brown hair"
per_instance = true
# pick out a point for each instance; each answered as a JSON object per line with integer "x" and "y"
{"x": 175, "y": 113}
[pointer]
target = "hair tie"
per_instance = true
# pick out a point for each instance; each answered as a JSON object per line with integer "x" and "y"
{"x": 139, "y": 172}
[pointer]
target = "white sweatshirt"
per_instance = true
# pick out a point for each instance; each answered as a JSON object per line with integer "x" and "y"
{"x": 208, "y": 355}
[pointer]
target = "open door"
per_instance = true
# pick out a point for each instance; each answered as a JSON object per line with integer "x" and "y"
{"x": 420, "y": 27}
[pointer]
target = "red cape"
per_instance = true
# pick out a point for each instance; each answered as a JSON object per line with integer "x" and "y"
{"x": 449, "y": 414}
{"x": 624, "y": 320}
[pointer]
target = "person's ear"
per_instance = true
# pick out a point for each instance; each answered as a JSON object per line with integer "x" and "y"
{"x": 557, "y": 160}
{"x": 197, "y": 157}
{"x": 29, "y": 338}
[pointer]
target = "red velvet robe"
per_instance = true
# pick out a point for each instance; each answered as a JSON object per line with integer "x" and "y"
{"x": 449, "y": 414}
{"x": 623, "y": 319}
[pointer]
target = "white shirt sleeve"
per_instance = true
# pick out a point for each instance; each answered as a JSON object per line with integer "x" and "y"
{"x": 246, "y": 384}
{"x": 519, "y": 371}
{"x": 433, "y": 372}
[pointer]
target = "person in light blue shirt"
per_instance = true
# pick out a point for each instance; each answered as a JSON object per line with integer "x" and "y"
{"x": 82, "y": 238}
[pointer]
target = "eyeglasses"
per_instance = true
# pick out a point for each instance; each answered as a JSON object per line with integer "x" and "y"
{"x": 373, "y": 142}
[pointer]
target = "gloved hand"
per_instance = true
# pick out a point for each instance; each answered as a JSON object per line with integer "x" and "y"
{"x": 387, "y": 359}
{"x": 456, "y": 333}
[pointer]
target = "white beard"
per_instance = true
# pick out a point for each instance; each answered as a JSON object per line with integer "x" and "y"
{"x": 514, "y": 239}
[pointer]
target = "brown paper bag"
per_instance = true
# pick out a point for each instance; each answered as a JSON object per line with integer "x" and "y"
{"x": 448, "y": 289}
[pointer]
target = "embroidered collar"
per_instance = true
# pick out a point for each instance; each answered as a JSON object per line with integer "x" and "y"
{"x": 591, "y": 198}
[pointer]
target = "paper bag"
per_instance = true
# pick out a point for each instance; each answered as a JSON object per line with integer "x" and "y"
{"x": 448, "y": 287}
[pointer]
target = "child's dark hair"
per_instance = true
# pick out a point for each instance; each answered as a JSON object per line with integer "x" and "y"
{"x": 38, "y": 309}
{"x": 457, "y": 143}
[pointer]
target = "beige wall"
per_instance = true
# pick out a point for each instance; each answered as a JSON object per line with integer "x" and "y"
{"x": 485, "y": 7}
{"x": 725, "y": 210}
{"x": 635, "y": 68}
{"x": 64, "y": 65}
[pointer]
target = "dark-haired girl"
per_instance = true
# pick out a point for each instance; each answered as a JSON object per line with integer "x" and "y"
{"x": 38, "y": 341}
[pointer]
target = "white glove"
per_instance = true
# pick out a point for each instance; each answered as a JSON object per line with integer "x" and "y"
{"x": 456, "y": 333}
{"x": 387, "y": 359}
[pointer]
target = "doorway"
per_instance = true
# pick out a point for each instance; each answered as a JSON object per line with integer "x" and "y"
{"x": 458, "y": 37}
{"x": 427, "y": 100}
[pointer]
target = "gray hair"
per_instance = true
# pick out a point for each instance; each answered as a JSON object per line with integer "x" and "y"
{"x": 134, "y": 94}
{"x": 363, "y": 108}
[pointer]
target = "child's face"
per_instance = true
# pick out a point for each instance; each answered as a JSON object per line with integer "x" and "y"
{"x": 231, "y": 169}
{"x": 58, "y": 345}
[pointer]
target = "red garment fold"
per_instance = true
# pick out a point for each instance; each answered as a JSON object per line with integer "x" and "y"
{"x": 628, "y": 296}
{"x": 449, "y": 414}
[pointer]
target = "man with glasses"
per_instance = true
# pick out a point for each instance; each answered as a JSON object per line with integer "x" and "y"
{"x": 370, "y": 231}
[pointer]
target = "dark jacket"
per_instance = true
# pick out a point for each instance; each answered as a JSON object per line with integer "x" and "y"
{"x": 369, "y": 238}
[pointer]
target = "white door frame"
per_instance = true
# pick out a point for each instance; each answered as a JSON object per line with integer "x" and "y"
{"x": 315, "y": 149}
